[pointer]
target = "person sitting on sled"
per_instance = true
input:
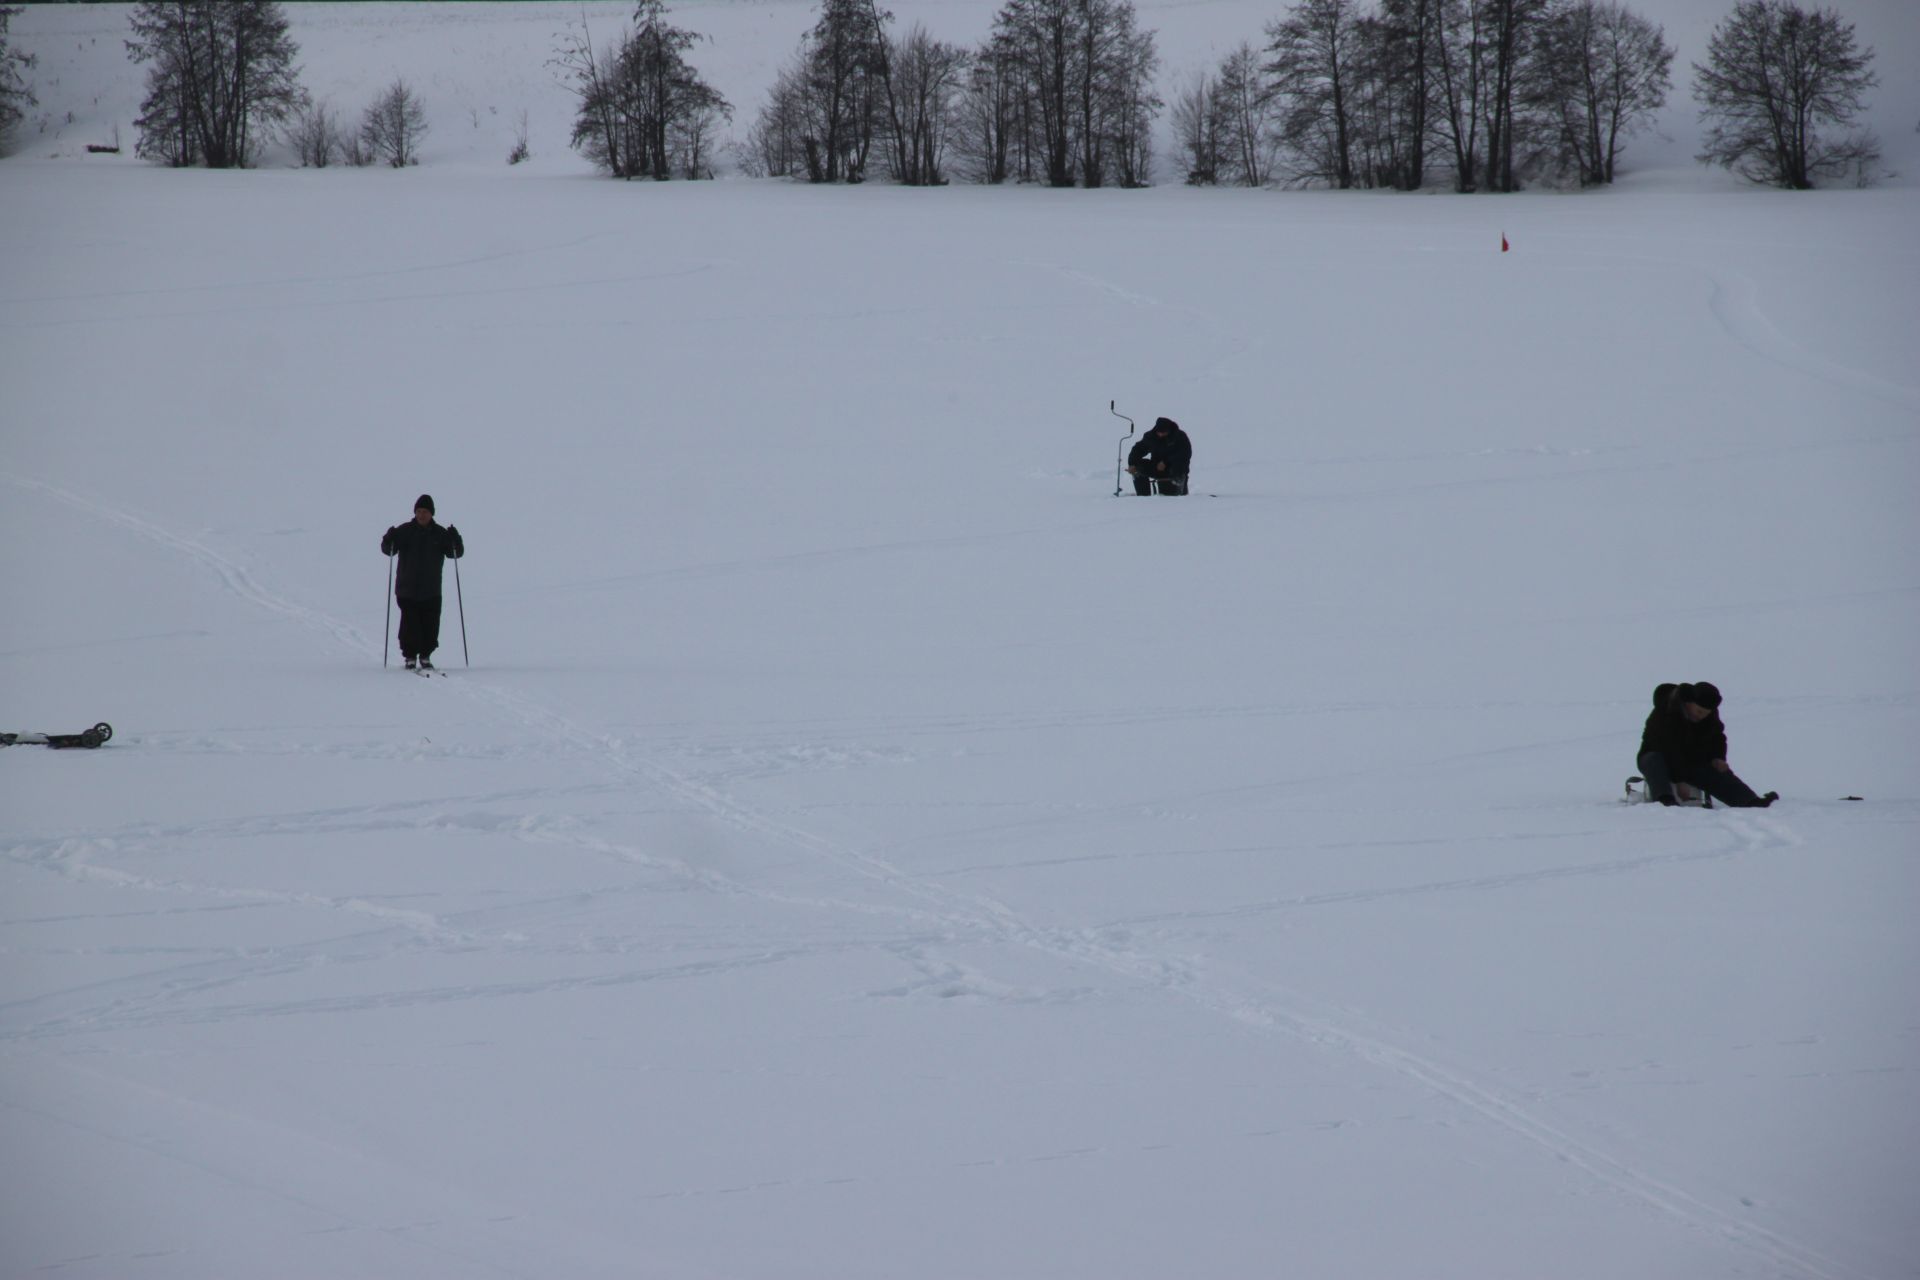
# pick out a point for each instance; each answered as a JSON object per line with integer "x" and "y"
{"x": 1161, "y": 460}
{"x": 1684, "y": 746}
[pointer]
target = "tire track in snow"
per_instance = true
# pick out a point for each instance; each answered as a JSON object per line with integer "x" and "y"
{"x": 969, "y": 914}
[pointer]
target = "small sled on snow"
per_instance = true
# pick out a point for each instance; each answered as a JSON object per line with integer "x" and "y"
{"x": 1693, "y": 797}
{"x": 91, "y": 738}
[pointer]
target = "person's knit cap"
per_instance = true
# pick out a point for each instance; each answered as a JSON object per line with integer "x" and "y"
{"x": 425, "y": 500}
{"x": 1165, "y": 424}
{"x": 1703, "y": 695}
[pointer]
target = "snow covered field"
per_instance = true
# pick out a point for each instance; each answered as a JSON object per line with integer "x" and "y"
{"x": 861, "y": 845}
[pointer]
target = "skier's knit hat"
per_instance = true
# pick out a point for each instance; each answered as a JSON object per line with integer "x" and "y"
{"x": 1165, "y": 424}
{"x": 425, "y": 500}
{"x": 1703, "y": 695}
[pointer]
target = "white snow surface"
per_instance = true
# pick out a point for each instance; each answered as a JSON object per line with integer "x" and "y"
{"x": 862, "y": 846}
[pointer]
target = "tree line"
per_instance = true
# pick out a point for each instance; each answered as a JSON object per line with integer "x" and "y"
{"x": 1061, "y": 93}
{"x": 1492, "y": 94}
{"x": 15, "y": 94}
{"x": 1485, "y": 95}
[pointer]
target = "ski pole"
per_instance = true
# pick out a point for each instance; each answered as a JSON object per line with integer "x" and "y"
{"x": 387, "y": 638}
{"x": 1119, "y": 452}
{"x": 461, "y": 600}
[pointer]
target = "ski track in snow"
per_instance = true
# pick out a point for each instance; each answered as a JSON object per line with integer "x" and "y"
{"x": 1231, "y": 340}
{"x": 236, "y": 579}
{"x": 941, "y": 914}
{"x": 1736, "y": 306}
{"x": 1734, "y": 301}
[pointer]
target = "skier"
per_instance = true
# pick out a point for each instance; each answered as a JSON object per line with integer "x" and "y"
{"x": 1160, "y": 462}
{"x": 1685, "y": 745}
{"x": 423, "y": 548}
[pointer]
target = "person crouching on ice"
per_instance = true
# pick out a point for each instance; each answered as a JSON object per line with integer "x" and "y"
{"x": 424, "y": 549}
{"x": 1161, "y": 460}
{"x": 1684, "y": 745}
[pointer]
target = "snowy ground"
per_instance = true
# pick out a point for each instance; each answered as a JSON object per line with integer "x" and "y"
{"x": 862, "y": 846}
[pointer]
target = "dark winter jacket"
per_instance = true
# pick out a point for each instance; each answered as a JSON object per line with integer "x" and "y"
{"x": 1173, "y": 448}
{"x": 1688, "y": 747}
{"x": 424, "y": 550}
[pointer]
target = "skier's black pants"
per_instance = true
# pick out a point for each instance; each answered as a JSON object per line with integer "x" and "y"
{"x": 1172, "y": 486}
{"x": 419, "y": 626}
{"x": 1724, "y": 787}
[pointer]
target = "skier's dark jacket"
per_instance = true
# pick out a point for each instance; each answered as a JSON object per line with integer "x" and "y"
{"x": 1174, "y": 449}
{"x": 423, "y": 550}
{"x": 1688, "y": 747}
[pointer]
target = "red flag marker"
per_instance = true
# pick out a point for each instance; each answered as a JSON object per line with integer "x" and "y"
{"x": 1503, "y": 242}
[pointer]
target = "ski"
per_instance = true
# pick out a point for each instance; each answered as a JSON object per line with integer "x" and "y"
{"x": 90, "y": 738}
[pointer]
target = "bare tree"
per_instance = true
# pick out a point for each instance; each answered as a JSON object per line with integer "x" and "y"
{"x": 1095, "y": 39}
{"x": 644, "y": 110}
{"x": 1081, "y": 72}
{"x": 522, "y": 150}
{"x": 219, "y": 67}
{"x": 1042, "y": 36}
{"x": 1197, "y": 128}
{"x": 314, "y": 133}
{"x": 1483, "y": 52}
{"x": 1462, "y": 83}
{"x": 845, "y": 59}
{"x": 1379, "y": 107}
{"x": 691, "y": 138}
{"x": 830, "y": 104}
{"x": 596, "y": 128}
{"x": 1224, "y": 123}
{"x": 1775, "y": 74}
{"x": 1249, "y": 115}
{"x": 1604, "y": 71}
{"x": 774, "y": 146}
{"x": 1405, "y": 57}
{"x": 1311, "y": 52}
{"x": 992, "y": 114}
{"x": 924, "y": 81}
{"x": 1511, "y": 28}
{"x": 393, "y": 126}
{"x": 15, "y": 96}
{"x": 1130, "y": 105}
{"x": 355, "y": 151}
